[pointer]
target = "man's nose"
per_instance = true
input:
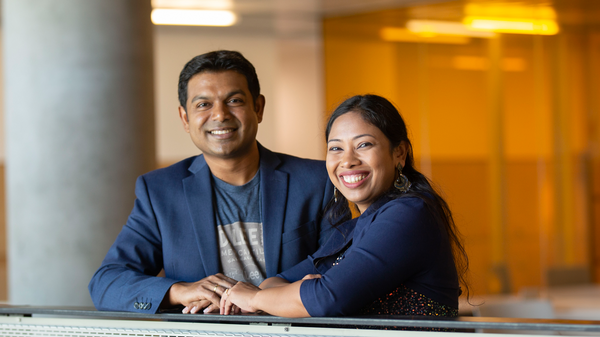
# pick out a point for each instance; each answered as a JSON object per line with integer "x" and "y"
{"x": 220, "y": 112}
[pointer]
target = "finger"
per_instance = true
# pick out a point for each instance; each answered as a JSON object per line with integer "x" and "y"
{"x": 194, "y": 309}
{"x": 186, "y": 310}
{"x": 224, "y": 310}
{"x": 213, "y": 298}
{"x": 203, "y": 304}
{"x": 223, "y": 280}
{"x": 211, "y": 308}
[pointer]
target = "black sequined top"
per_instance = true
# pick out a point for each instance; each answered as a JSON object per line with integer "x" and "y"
{"x": 407, "y": 302}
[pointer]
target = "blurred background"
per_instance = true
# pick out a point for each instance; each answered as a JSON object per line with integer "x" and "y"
{"x": 502, "y": 101}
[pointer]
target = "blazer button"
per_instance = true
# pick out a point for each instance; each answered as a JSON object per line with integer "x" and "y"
{"x": 136, "y": 305}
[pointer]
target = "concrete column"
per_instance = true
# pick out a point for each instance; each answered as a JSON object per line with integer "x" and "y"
{"x": 79, "y": 129}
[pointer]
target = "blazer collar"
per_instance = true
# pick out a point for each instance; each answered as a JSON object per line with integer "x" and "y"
{"x": 198, "y": 193}
{"x": 274, "y": 194}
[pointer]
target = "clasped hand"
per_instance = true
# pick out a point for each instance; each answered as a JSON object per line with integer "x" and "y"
{"x": 202, "y": 295}
{"x": 238, "y": 299}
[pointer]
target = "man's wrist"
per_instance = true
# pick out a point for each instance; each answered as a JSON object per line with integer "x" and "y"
{"x": 172, "y": 297}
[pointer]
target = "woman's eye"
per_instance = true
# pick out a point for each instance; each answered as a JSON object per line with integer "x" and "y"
{"x": 361, "y": 145}
{"x": 334, "y": 148}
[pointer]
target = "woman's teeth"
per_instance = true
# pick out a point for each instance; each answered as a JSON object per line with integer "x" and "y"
{"x": 354, "y": 178}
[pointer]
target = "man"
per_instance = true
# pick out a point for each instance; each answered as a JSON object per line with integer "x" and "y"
{"x": 238, "y": 212}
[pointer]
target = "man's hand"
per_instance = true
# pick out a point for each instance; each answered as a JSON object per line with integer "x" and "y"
{"x": 200, "y": 295}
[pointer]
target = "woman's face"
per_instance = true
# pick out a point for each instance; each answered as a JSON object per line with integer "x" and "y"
{"x": 359, "y": 160}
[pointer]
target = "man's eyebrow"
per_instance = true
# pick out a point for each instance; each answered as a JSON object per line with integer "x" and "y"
{"x": 197, "y": 98}
{"x": 234, "y": 92}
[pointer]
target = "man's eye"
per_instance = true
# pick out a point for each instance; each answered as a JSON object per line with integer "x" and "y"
{"x": 202, "y": 105}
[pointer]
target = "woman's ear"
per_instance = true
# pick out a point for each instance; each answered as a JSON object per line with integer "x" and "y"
{"x": 400, "y": 153}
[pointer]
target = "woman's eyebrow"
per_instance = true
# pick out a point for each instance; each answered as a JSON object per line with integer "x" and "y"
{"x": 363, "y": 135}
{"x": 353, "y": 138}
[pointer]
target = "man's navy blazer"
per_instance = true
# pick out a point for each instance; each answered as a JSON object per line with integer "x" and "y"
{"x": 172, "y": 227}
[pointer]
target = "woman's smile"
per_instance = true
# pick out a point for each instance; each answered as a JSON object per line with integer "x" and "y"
{"x": 360, "y": 162}
{"x": 353, "y": 179}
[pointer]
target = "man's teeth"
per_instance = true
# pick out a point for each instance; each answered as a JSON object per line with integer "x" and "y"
{"x": 220, "y": 132}
{"x": 354, "y": 178}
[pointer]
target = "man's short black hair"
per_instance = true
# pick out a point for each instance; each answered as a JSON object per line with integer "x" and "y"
{"x": 215, "y": 61}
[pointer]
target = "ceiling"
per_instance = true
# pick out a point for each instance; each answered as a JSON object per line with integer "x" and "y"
{"x": 288, "y": 17}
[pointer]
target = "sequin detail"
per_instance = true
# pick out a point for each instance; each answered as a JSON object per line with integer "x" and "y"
{"x": 407, "y": 302}
{"x": 340, "y": 257}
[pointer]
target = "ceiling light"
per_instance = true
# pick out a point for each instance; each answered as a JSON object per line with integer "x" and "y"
{"x": 511, "y": 11}
{"x": 429, "y": 28}
{"x": 193, "y": 4}
{"x": 395, "y": 34}
{"x": 510, "y": 25}
{"x": 507, "y": 18}
{"x": 193, "y": 17}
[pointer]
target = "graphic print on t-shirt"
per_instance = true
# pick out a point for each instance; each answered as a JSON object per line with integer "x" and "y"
{"x": 242, "y": 253}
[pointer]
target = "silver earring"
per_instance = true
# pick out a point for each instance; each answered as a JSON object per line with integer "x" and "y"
{"x": 401, "y": 184}
{"x": 335, "y": 192}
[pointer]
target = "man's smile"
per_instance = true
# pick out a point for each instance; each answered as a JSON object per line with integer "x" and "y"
{"x": 221, "y": 132}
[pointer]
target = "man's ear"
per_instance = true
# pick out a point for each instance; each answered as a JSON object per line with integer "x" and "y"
{"x": 259, "y": 107}
{"x": 400, "y": 153}
{"x": 184, "y": 119}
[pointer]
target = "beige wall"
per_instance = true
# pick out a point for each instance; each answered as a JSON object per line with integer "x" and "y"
{"x": 289, "y": 70}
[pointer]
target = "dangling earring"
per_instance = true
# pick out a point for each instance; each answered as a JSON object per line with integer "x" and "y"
{"x": 401, "y": 184}
{"x": 334, "y": 194}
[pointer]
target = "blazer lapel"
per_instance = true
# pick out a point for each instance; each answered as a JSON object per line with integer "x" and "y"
{"x": 274, "y": 192}
{"x": 198, "y": 193}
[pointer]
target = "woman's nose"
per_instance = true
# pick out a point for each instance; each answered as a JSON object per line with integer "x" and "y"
{"x": 349, "y": 159}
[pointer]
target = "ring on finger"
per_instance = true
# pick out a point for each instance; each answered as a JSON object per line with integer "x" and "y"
{"x": 226, "y": 292}
{"x": 215, "y": 288}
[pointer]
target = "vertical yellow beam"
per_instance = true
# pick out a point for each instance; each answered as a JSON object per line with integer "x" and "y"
{"x": 425, "y": 161}
{"x": 563, "y": 198}
{"x": 500, "y": 279}
{"x": 544, "y": 190}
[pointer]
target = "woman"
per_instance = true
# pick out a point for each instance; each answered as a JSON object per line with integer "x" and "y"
{"x": 401, "y": 256}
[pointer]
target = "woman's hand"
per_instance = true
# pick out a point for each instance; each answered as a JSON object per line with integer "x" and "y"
{"x": 311, "y": 276}
{"x": 239, "y": 299}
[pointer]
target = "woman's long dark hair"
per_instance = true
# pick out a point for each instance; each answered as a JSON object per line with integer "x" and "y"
{"x": 381, "y": 113}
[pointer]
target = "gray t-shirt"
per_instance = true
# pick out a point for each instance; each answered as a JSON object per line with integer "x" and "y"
{"x": 240, "y": 227}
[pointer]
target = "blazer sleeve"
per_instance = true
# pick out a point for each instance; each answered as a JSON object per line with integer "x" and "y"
{"x": 298, "y": 271}
{"x": 396, "y": 245}
{"x": 325, "y": 228}
{"x": 126, "y": 279}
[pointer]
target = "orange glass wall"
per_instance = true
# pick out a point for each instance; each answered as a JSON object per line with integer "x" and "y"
{"x": 506, "y": 127}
